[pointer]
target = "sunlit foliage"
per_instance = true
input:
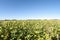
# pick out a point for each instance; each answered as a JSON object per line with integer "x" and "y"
{"x": 29, "y": 29}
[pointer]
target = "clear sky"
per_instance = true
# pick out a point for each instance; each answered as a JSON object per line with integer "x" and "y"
{"x": 29, "y": 9}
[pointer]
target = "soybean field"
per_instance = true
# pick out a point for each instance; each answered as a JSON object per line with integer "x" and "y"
{"x": 29, "y": 29}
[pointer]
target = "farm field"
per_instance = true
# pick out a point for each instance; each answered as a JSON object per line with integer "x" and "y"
{"x": 29, "y": 29}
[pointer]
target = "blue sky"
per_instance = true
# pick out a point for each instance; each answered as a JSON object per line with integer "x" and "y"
{"x": 29, "y": 9}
